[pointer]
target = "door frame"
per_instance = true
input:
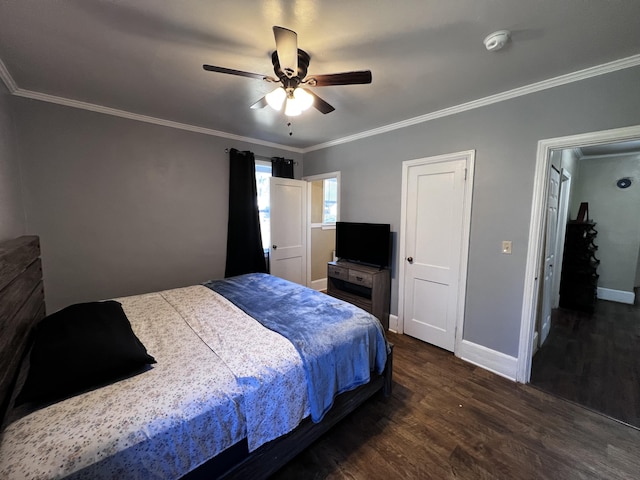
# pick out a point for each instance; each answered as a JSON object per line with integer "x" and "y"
{"x": 309, "y": 179}
{"x": 536, "y": 230}
{"x": 469, "y": 157}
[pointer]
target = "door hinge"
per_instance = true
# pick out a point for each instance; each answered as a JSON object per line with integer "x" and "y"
{"x": 465, "y": 173}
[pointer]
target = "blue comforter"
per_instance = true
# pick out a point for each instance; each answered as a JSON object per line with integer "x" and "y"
{"x": 339, "y": 343}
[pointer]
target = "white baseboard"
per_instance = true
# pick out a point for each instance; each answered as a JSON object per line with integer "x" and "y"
{"x": 619, "y": 296}
{"x": 393, "y": 323}
{"x": 320, "y": 284}
{"x": 492, "y": 360}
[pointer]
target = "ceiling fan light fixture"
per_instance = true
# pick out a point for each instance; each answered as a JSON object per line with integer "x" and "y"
{"x": 290, "y": 65}
{"x": 291, "y": 108}
{"x": 302, "y": 98}
{"x": 276, "y": 98}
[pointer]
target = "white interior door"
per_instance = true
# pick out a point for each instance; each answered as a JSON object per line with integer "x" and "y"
{"x": 435, "y": 229}
{"x": 550, "y": 252}
{"x": 288, "y": 253}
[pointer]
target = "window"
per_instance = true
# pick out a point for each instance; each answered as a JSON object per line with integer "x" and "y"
{"x": 263, "y": 174}
{"x": 330, "y": 206}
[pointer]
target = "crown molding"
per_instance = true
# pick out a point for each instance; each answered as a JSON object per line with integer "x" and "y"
{"x": 145, "y": 118}
{"x": 20, "y": 92}
{"x": 590, "y": 72}
{"x": 610, "y": 155}
{"x": 586, "y": 73}
{"x": 7, "y": 78}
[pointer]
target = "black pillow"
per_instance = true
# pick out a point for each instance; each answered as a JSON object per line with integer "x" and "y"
{"x": 81, "y": 347}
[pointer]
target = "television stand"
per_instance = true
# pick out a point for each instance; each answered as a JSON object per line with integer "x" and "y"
{"x": 363, "y": 286}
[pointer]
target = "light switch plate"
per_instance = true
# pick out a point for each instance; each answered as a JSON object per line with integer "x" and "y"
{"x": 506, "y": 247}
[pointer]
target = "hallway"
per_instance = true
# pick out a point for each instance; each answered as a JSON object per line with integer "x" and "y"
{"x": 594, "y": 359}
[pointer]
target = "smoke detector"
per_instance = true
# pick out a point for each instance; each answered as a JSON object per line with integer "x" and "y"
{"x": 497, "y": 40}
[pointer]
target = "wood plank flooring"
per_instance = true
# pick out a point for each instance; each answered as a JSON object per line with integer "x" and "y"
{"x": 449, "y": 419}
{"x": 594, "y": 359}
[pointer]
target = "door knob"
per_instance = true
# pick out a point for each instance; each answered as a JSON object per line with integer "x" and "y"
{"x": 274, "y": 247}
{"x": 410, "y": 259}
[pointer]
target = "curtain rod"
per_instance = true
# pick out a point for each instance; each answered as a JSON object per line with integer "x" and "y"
{"x": 262, "y": 157}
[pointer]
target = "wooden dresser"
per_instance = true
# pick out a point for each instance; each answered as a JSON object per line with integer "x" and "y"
{"x": 366, "y": 287}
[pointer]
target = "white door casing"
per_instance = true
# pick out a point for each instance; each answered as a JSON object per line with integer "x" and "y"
{"x": 550, "y": 252}
{"x": 288, "y": 218}
{"x": 434, "y": 241}
{"x": 536, "y": 229}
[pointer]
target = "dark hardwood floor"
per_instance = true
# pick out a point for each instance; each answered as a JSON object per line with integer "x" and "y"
{"x": 450, "y": 419}
{"x": 594, "y": 359}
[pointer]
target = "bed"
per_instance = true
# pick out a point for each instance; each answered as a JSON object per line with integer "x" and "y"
{"x": 236, "y": 398}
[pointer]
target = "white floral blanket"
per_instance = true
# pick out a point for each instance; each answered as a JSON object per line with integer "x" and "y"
{"x": 220, "y": 376}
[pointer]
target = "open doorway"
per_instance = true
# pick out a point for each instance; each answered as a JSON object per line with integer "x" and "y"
{"x": 324, "y": 211}
{"x": 590, "y": 353}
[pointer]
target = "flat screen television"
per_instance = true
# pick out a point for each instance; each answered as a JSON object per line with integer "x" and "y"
{"x": 366, "y": 243}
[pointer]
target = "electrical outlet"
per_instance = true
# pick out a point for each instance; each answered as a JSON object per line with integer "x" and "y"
{"x": 506, "y": 247}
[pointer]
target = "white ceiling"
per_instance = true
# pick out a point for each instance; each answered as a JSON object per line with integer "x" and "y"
{"x": 145, "y": 56}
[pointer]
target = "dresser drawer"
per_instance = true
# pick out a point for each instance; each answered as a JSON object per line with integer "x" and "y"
{"x": 361, "y": 278}
{"x": 361, "y": 285}
{"x": 338, "y": 272}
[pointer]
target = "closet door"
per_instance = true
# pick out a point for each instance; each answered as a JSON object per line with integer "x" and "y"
{"x": 436, "y": 197}
{"x": 550, "y": 252}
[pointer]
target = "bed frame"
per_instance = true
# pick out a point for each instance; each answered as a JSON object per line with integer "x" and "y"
{"x": 22, "y": 307}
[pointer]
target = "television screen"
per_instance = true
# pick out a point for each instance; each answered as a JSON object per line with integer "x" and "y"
{"x": 367, "y": 243}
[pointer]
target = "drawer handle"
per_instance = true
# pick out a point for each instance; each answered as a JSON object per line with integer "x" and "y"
{"x": 359, "y": 279}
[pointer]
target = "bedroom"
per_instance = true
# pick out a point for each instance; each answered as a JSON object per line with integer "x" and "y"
{"x": 123, "y": 206}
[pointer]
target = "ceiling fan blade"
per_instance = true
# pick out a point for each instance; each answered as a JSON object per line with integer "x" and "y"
{"x": 287, "y": 48}
{"x": 260, "y": 103}
{"x": 230, "y": 71}
{"x": 345, "y": 78}
{"x": 319, "y": 103}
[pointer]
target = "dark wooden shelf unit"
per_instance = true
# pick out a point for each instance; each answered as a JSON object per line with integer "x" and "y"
{"x": 366, "y": 287}
{"x": 579, "y": 280}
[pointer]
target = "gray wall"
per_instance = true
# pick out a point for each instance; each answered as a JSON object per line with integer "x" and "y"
{"x": 616, "y": 214}
{"x": 637, "y": 282}
{"x": 12, "y": 217}
{"x": 505, "y": 137}
{"x": 122, "y": 207}
{"x": 570, "y": 164}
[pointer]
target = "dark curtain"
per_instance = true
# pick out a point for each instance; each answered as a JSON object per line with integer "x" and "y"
{"x": 244, "y": 240}
{"x": 281, "y": 167}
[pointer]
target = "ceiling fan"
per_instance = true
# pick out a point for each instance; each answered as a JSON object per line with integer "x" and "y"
{"x": 290, "y": 65}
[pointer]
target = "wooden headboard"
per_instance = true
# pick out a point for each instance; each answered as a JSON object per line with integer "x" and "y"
{"x": 21, "y": 306}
